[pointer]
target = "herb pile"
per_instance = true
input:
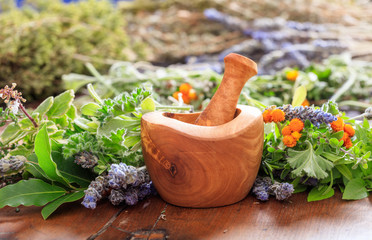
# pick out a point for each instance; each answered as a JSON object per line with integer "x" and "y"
{"x": 64, "y": 156}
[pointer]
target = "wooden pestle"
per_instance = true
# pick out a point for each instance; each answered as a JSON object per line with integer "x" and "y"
{"x": 222, "y": 107}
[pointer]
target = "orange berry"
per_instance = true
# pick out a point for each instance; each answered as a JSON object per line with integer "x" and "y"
{"x": 192, "y": 94}
{"x": 185, "y": 88}
{"x": 338, "y": 125}
{"x": 349, "y": 130}
{"x": 292, "y": 75}
{"x": 305, "y": 103}
{"x": 278, "y": 115}
{"x": 289, "y": 141}
{"x": 296, "y": 135}
{"x": 286, "y": 131}
{"x": 267, "y": 116}
{"x": 296, "y": 125}
{"x": 175, "y": 95}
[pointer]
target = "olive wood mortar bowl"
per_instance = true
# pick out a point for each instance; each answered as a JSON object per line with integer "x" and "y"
{"x": 202, "y": 166}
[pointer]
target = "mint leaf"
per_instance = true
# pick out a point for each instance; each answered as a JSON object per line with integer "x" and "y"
{"x": 62, "y": 104}
{"x": 51, "y": 207}
{"x": 355, "y": 189}
{"x": 29, "y": 192}
{"x": 308, "y": 162}
{"x": 320, "y": 193}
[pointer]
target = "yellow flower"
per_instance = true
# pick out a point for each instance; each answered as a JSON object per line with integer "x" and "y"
{"x": 267, "y": 116}
{"x": 286, "y": 131}
{"x": 296, "y": 135}
{"x": 289, "y": 141}
{"x": 278, "y": 115}
{"x": 338, "y": 125}
{"x": 292, "y": 75}
{"x": 296, "y": 125}
{"x": 349, "y": 130}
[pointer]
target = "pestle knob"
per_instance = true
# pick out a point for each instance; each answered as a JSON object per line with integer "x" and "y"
{"x": 222, "y": 107}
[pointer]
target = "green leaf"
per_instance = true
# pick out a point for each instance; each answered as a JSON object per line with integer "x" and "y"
{"x": 51, "y": 207}
{"x": 338, "y": 135}
{"x": 29, "y": 192}
{"x": 71, "y": 171}
{"x": 45, "y": 161}
{"x": 62, "y": 104}
{"x": 33, "y": 167}
{"x": 131, "y": 141}
{"x": 299, "y": 96}
{"x": 25, "y": 124}
{"x": 344, "y": 171}
{"x": 10, "y": 133}
{"x": 365, "y": 123}
{"x": 148, "y": 105}
{"x": 355, "y": 189}
{"x": 90, "y": 109}
{"x": 308, "y": 162}
{"x": 72, "y": 112}
{"x": 44, "y": 107}
{"x": 334, "y": 142}
{"x": 323, "y": 192}
{"x": 331, "y": 156}
{"x": 117, "y": 123}
{"x": 83, "y": 123}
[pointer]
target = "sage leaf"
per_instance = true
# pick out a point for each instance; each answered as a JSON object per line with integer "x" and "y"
{"x": 355, "y": 189}
{"x": 299, "y": 96}
{"x": 29, "y": 192}
{"x": 90, "y": 109}
{"x": 320, "y": 193}
{"x": 148, "y": 105}
{"x": 10, "y": 133}
{"x": 44, "y": 107}
{"x": 51, "y": 207}
{"x": 61, "y": 104}
{"x": 308, "y": 162}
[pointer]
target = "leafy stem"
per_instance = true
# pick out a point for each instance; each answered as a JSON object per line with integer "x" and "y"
{"x": 28, "y": 115}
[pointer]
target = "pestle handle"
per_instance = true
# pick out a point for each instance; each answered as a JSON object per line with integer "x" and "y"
{"x": 222, "y": 107}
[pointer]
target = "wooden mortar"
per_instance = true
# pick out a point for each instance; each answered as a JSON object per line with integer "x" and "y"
{"x": 206, "y": 166}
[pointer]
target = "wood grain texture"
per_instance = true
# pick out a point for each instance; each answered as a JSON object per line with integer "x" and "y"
{"x": 221, "y": 108}
{"x": 297, "y": 219}
{"x": 71, "y": 221}
{"x": 328, "y": 219}
{"x": 200, "y": 166}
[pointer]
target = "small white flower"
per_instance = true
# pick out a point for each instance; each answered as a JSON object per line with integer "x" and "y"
{"x": 15, "y": 107}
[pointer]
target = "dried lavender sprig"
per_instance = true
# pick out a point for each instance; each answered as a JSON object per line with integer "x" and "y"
{"x": 281, "y": 191}
{"x": 263, "y": 187}
{"x": 86, "y": 159}
{"x": 11, "y": 165}
{"x": 95, "y": 192}
{"x": 121, "y": 175}
{"x": 315, "y": 116}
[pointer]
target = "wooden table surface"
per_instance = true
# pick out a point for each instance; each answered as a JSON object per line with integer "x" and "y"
{"x": 154, "y": 219}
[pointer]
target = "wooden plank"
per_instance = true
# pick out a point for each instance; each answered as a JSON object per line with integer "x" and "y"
{"x": 140, "y": 219}
{"x": 154, "y": 219}
{"x": 71, "y": 221}
{"x": 328, "y": 219}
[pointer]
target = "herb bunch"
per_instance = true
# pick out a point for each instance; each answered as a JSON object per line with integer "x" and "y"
{"x": 318, "y": 148}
